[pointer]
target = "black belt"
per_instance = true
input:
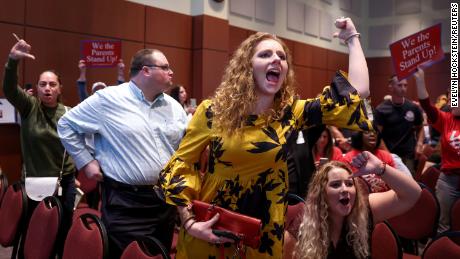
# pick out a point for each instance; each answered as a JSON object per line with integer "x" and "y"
{"x": 124, "y": 186}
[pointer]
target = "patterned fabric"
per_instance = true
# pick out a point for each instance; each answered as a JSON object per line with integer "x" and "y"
{"x": 247, "y": 172}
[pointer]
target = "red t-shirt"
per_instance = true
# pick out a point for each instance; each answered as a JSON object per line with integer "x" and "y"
{"x": 375, "y": 183}
{"x": 336, "y": 154}
{"x": 449, "y": 128}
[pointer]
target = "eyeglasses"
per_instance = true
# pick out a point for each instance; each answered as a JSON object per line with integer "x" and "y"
{"x": 165, "y": 68}
{"x": 44, "y": 83}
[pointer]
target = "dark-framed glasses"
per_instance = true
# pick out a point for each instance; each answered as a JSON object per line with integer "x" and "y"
{"x": 165, "y": 68}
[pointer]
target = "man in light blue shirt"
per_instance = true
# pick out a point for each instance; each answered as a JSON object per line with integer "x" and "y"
{"x": 136, "y": 129}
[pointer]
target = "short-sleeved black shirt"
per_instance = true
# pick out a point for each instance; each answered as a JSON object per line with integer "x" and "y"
{"x": 399, "y": 121}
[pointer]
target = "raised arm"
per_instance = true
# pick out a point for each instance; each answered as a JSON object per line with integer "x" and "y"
{"x": 358, "y": 74}
{"x": 15, "y": 95}
{"x": 339, "y": 138}
{"x": 404, "y": 191}
{"x": 120, "y": 72}
{"x": 423, "y": 96}
{"x": 419, "y": 76}
{"x": 81, "y": 81}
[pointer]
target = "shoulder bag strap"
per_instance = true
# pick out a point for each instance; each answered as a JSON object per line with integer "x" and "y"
{"x": 62, "y": 165}
{"x": 63, "y": 156}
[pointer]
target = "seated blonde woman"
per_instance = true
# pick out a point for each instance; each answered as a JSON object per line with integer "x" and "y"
{"x": 339, "y": 216}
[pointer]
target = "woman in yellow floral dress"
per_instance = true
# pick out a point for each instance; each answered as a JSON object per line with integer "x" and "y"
{"x": 246, "y": 125}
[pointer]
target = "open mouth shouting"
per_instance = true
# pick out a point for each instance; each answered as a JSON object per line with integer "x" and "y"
{"x": 48, "y": 97}
{"x": 273, "y": 75}
{"x": 341, "y": 192}
{"x": 344, "y": 201}
{"x": 344, "y": 204}
{"x": 269, "y": 67}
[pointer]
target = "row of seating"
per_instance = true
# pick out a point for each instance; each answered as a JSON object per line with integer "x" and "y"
{"x": 386, "y": 245}
{"x": 429, "y": 177}
{"x": 417, "y": 224}
{"x": 13, "y": 209}
{"x": 421, "y": 222}
{"x": 87, "y": 237}
{"x": 3, "y": 184}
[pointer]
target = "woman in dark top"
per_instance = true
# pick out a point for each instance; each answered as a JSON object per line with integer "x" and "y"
{"x": 41, "y": 147}
{"x": 338, "y": 213}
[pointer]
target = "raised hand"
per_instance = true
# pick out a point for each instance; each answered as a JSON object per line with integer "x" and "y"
{"x": 121, "y": 65}
{"x": 20, "y": 50}
{"x": 344, "y": 144}
{"x": 358, "y": 73}
{"x": 366, "y": 163}
{"x": 82, "y": 65}
{"x": 121, "y": 70}
{"x": 347, "y": 29}
{"x": 30, "y": 91}
{"x": 419, "y": 75}
{"x": 82, "y": 68}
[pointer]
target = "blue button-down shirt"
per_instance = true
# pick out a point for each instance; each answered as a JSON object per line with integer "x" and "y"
{"x": 133, "y": 138}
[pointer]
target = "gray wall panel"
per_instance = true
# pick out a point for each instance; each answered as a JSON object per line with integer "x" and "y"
{"x": 356, "y": 7}
{"x": 405, "y": 29}
{"x": 265, "y": 11}
{"x": 445, "y": 30}
{"x": 441, "y": 4}
{"x": 346, "y": 5}
{"x": 407, "y": 6}
{"x": 379, "y": 8}
{"x": 295, "y": 15}
{"x": 311, "y": 21}
{"x": 380, "y": 36}
{"x": 243, "y": 7}
{"x": 326, "y": 25}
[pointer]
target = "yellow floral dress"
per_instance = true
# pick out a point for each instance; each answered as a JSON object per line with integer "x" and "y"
{"x": 247, "y": 173}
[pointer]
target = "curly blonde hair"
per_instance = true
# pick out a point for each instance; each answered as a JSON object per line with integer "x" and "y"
{"x": 235, "y": 97}
{"x": 314, "y": 232}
